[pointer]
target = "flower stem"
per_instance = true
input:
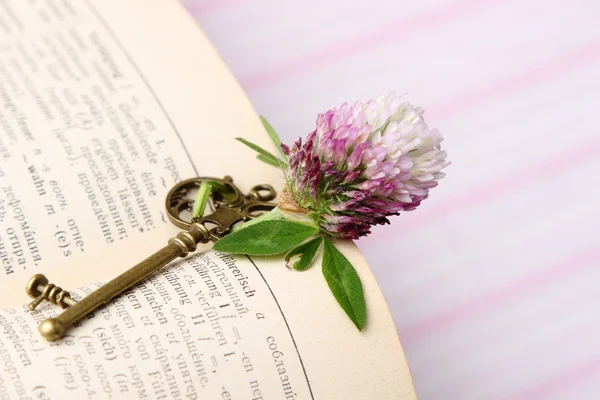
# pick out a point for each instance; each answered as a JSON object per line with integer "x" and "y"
{"x": 201, "y": 199}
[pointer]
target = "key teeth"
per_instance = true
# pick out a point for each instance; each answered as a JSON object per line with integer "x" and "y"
{"x": 34, "y": 283}
{"x": 40, "y": 289}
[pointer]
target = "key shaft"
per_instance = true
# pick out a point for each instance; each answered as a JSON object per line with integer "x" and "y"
{"x": 179, "y": 246}
{"x": 230, "y": 207}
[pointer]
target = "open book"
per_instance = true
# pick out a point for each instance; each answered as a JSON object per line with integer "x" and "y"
{"x": 105, "y": 105}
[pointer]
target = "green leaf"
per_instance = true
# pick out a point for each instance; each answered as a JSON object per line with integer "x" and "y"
{"x": 271, "y": 215}
{"x": 276, "y": 164}
{"x": 274, "y": 136}
{"x": 266, "y": 238}
{"x": 344, "y": 284}
{"x": 307, "y": 253}
{"x": 225, "y": 192}
{"x": 259, "y": 149}
{"x": 201, "y": 199}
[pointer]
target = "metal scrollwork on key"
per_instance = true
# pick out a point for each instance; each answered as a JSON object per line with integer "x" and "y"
{"x": 229, "y": 207}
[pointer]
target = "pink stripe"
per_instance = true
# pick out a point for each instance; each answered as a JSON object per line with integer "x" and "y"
{"x": 517, "y": 82}
{"x": 562, "y": 382}
{"x": 381, "y": 37}
{"x": 201, "y": 7}
{"x": 501, "y": 295}
{"x": 519, "y": 178}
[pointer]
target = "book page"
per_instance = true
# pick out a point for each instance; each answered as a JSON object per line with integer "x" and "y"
{"x": 207, "y": 328}
{"x": 105, "y": 107}
{"x": 99, "y": 120}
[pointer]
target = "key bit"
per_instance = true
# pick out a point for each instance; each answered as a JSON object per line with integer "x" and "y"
{"x": 39, "y": 288}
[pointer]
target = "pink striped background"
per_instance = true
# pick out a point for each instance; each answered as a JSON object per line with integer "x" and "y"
{"x": 494, "y": 283}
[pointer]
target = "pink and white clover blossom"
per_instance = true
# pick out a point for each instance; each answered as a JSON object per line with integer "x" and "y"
{"x": 364, "y": 163}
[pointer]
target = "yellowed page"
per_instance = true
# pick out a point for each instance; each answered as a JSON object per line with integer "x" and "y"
{"x": 212, "y": 326}
{"x": 136, "y": 108}
{"x": 105, "y": 106}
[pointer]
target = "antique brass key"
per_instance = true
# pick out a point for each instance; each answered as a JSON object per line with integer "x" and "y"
{"x": 230, "y": 207}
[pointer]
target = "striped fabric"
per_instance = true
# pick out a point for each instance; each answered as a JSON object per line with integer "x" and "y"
{"x": 494, "y": 283}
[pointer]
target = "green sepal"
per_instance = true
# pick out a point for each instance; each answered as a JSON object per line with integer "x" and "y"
{"x": 276, "y": 164}
{"x": 274, "y": 136}
{"x": 307, "y": 252}
{"x": 259, "y": 150}
{"x": 344, "y": 284}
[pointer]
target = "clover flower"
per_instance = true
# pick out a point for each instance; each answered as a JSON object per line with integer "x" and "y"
{"x": 364, "y": 163}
